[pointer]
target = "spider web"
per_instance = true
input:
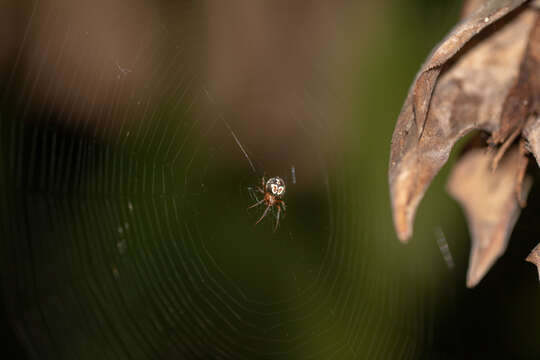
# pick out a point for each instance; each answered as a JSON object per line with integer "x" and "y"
{"x": 130, "y": 239}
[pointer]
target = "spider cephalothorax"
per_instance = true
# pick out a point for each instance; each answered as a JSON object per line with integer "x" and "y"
{"x": 273, "y": 191}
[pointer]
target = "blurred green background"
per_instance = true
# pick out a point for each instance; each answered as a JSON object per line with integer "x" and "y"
{"x": 132, "y": 140}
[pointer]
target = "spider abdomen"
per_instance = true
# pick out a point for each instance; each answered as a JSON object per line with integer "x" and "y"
{"x": 275, "y": 186}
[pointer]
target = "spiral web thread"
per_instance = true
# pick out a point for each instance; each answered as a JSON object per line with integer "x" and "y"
{"x": 106, "y": 240}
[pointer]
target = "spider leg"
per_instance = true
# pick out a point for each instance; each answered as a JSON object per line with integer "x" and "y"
{"x": 264, "y": 214}
{"x": 283, "y": 204}
{"x": 257, "y": 203}
{"x": 277, "y": 220}
{"x": 260, "y": 190}
{"x": 263, "y": 183}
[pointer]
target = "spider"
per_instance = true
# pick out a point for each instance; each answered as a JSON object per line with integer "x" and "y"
{"x": 273, "y": 191}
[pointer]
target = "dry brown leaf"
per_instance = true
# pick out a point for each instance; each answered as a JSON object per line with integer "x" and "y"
{"x": 484, "y": 75}
{"x": 478, "y": 17}
{"x": 490, "y": 203}
{"x": 523, "y": 97}
{"x": 534, "y": 257}
{"x": 468, "y": 96}
{"x": 532, "y": 134}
